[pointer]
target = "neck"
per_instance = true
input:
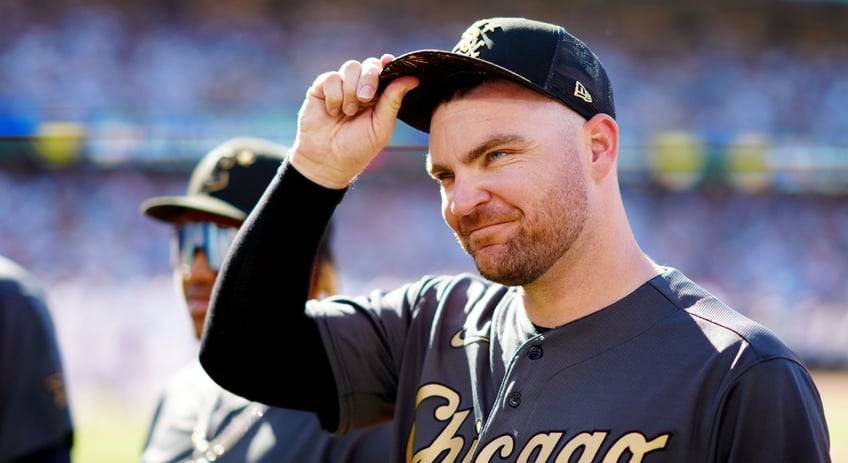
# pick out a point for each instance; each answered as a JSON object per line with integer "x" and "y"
{"x": 599, "y": 270}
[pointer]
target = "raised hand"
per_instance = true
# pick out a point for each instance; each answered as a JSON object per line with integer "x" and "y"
{"x": 343, "y": 124}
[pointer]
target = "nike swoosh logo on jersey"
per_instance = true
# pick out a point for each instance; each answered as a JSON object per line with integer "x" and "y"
{"x": 461, "y": 340}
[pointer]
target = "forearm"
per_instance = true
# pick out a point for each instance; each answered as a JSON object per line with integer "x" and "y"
{"x": 256, "y": 322}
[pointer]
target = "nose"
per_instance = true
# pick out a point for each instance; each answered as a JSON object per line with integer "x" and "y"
{"x": 199, "y": 269}
{"x": 464, "y": 195}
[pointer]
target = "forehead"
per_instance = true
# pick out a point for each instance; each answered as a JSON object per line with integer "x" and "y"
{"x": 494, "y": 109}
{"x": 497, "y": 93}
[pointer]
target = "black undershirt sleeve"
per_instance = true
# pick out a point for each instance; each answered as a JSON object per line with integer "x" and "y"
{"x": 258, "y": 341}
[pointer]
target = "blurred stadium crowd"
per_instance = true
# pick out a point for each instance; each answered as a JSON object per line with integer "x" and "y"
{"x": 141, "y": 78}
{"x": 132, "y": 88}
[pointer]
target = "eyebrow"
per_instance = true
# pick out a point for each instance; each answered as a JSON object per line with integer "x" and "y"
{"x": 480, "y": 150}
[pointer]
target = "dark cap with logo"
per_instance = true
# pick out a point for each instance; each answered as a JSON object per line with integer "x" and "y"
{"x": 540, "y": 56}
{"x": 227, "y": 182}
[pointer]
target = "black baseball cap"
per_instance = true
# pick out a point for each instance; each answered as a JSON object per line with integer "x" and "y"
{"x": 540, "y": 56}
{"x": 227, "y": 182}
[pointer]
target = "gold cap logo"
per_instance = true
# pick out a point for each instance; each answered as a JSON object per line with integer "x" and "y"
{"x": 581, "y": 92}
{"x": 220, "y": 176}
{"x": 473, "y": 39}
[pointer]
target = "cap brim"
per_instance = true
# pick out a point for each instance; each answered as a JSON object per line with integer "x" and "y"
{"x": 433, "y": 68}
{"x": 169, "y": 208}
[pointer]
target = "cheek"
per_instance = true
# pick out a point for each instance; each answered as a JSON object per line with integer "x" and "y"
{"x": 449, "y": 218}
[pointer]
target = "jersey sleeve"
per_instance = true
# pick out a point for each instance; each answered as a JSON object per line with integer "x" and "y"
{"x": 258, "y": 342}
{"x": 773, "y": 413}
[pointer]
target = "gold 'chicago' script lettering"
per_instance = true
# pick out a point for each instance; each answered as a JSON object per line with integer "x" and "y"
{"x": 447, "y": 440}
{"x": 447, "y": 446}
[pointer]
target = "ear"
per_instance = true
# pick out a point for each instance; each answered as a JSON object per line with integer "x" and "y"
{"x": 602, "y": 134}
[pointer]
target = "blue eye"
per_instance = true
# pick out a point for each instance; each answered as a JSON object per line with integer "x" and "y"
{"x": 494, "y": 155}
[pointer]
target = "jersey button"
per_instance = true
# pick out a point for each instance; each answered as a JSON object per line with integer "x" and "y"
{"x": 514, "y": 399}
{"x": 535, "y": 353}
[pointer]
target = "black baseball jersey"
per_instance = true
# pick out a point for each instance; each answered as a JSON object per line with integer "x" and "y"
{"x": 198, "y": 421}
{"x": 35, "y": 418}
{"x": 667, "y": 374}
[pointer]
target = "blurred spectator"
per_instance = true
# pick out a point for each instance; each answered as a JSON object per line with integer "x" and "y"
{"x": 196, "y": 420}
{"x": 35, "y": 419}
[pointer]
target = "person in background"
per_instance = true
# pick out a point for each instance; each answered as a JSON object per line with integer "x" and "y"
{"x": 571, "y": 344}
{"x": 195, "y": 419}
{"x": 35, "y": 418}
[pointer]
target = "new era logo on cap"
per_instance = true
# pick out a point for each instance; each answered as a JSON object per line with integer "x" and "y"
{"x": 541, "y": 56}
{"x": 581, "y": 92}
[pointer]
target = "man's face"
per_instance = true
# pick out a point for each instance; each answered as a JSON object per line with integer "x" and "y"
{"x": 199, "y": 245}
{"x": 512, "y": 170}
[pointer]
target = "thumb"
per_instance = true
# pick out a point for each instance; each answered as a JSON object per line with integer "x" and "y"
{"x": 388, "y": 105}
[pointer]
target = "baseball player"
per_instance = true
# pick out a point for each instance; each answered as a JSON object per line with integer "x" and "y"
{"x": 35, "y": 418}
{"x": 571, "y": 345}
{"x": 196, "y": 420}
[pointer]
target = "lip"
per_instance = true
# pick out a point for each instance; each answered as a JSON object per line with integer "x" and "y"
{"x": 487, "y": 229}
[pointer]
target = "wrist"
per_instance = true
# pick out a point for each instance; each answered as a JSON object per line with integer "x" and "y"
{"x": 320, "y": 172}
